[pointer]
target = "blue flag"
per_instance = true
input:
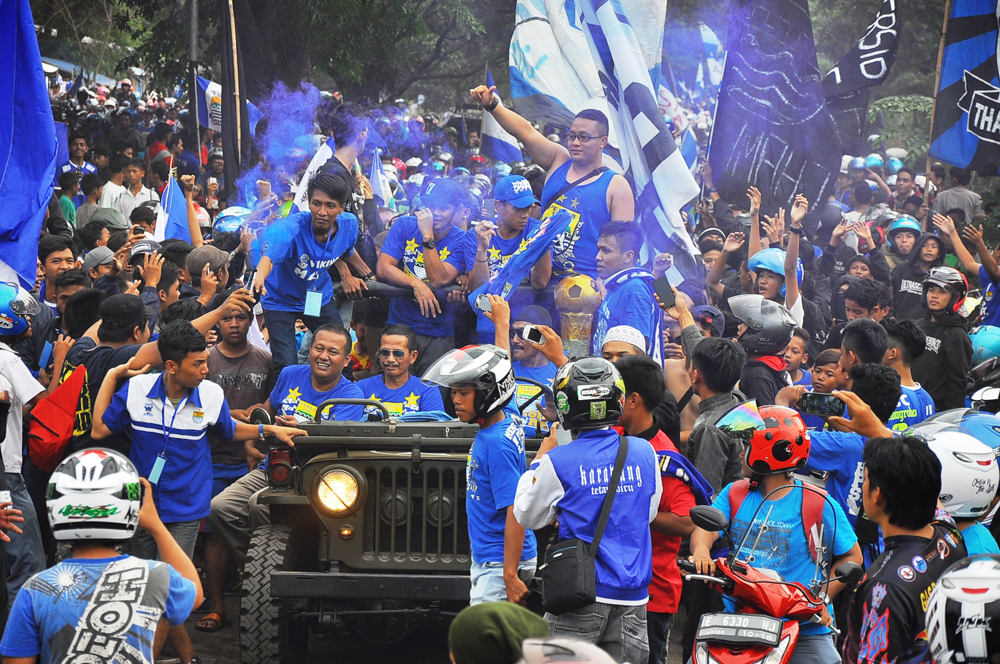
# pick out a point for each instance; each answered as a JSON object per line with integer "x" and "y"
{"x": 519, "y": 266}
{"x": 210, "y": 107}
{"x": 380, "y": 184}
{"x": 966, "y": 129}
{"x": 495, "y": 142}
{"x": 171, "y": 215}
{"x": 27, "y": 143}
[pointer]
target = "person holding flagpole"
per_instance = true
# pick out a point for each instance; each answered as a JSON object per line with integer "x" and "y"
{"x": 576, "y": 180}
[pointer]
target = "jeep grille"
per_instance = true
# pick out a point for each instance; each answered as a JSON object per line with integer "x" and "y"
{"x": 416, "y": 516}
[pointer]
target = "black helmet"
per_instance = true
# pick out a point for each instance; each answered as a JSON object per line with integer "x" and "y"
{"x": 963, "y": 614}
{"x": 589, "y": 393}
{"x": 486, "y": 369}
{"x": 952, "y": 281}
{"x": 769, "y": 324}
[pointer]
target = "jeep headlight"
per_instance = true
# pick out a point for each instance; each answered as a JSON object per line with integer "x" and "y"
{"x": 337, "y": 490}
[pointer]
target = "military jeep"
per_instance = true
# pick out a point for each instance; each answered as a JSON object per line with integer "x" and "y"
{"x": 368, "y": 535}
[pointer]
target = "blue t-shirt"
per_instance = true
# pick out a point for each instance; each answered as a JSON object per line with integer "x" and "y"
{"x": 979, "y": 539}
{"x": 783, "y": 547}
{"x": 294, "y": 395}
{"x": 631, "y": 303}
{"x": 587, "y": 204}
{"x": 300, "y": 262}
{"x": 496, "y": 462}
{"x": 838, "y": 453}
{"x": 498, "y": 253}
{"x": 915, "y": 405}
{"x": 404, "y": 244}
{"x": 991, "y": 303}
{"x": 412, "y": 397}
{"x": 535, "y": 423}
{"x": 100, "y": 609}
{"x": 807, "y": 379}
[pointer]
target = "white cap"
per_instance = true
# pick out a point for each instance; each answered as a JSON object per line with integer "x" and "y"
{"x": 627, "y": 334}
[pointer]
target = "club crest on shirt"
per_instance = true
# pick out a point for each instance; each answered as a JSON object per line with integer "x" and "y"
{"x": 147, "y": 409}
{"x": 198, "y": 416}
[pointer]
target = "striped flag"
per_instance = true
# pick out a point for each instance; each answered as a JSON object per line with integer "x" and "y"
{"x": 323, "y": 155}
{"x": 380, "y": 184}
{"x": 495, "y": 142}
{"x": 171, "y": 214}
{"x": 649, "y": 156}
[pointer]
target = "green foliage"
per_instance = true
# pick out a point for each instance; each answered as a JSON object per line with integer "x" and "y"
{"x": 905, "y": 123}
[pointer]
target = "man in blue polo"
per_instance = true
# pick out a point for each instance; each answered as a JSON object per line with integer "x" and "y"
{"x": 490, "y": 245}
{"x": 629, "y": 299}
{"x": 423, "y": 252}
{"x": 398, "y": 390}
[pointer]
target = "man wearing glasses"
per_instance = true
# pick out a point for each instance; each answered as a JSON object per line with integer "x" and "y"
{"x": 398, "y": 390}
{"x": 576, "y": 180}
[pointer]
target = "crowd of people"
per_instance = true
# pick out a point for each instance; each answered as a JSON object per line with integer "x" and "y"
{"x": 161, "y": 350}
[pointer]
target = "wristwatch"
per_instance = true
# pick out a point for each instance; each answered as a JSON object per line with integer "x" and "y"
{"x": 496, "y": 101}
{"x": 429, "y": 244}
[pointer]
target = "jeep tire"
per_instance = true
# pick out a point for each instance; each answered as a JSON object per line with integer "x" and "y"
{"x": 267, "y": 633}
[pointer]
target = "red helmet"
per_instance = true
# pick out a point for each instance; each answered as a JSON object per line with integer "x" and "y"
{"x": 782, "y": 445}
{"x": 400, "y": 167}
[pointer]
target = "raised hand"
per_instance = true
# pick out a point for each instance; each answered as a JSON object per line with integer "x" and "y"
{"x": 799, "y": 209}
{"x": 734, "y": 242}
{"x": 754, "y": 195}
{"x": 944, "y": 223}
{"x": 483, "y": 95}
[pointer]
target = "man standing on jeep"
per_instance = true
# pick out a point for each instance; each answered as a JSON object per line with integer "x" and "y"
{"x": 481, "y": 380}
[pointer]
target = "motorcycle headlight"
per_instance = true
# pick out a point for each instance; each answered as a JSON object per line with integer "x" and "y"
{"x": 337, "y": 491}
{"x": 778, "y": 653}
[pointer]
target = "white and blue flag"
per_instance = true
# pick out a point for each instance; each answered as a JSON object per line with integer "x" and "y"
{"x": 496, "y": 143}
{"x": 381, "y": 191}
{"x": 323, "y": 155}
{"x": 171, "y": 214}
{"x": 210, "y": 107}
{"x": 653, "y": 164}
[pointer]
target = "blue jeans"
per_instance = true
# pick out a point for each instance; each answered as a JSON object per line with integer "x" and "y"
{"x": 281, "y": 331}
{"x": 487, "y": 581}
{"x": 25, "y": 554}
{"x": 816, "y": 649}
{"x": 618, "y": 630}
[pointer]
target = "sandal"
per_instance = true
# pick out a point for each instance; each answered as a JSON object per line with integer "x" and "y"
{"x": 212, "y": 622}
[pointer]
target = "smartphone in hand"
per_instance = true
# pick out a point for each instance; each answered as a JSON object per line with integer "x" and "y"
{"x": 533, "y": 335}
{"x": 821, "y": 404}
{"x": 483, "y": 303}
{"x": 664, "y": 292}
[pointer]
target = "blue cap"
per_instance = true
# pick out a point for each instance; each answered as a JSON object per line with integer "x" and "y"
{"x": 516, "y": 190}
{"x": 706, "y": 314}
{"x": 443, "y": 191}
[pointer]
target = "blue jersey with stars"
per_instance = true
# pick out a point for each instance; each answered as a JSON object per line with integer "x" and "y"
{"x": 404, "y": 244}
{"x": 498, "y": 253}
{"x": 535, "y": 423}
{"x": 294, "y": 396}
{"x": 587, "y": 204}
{"x": 412, "y": 397}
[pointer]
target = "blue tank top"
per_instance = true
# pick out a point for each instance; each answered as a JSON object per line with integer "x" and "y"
{"x": 576, "y": 249}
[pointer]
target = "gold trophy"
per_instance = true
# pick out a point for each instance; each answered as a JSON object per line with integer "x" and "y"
{"x": 577, "y": 298}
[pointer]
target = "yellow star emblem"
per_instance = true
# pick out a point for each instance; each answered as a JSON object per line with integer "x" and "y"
{"x": 524, "y": 245}
{"x": 561, "y": 199}
{"x": 375, "y": 398}
{"x": 444, "y": 253}
{"x": 293, "y": 394}
{"x": 411, "y": 245}
{"x": 574, "y": 203}
{"x": 411, "y": 401}
{"x": 494, "y": 253}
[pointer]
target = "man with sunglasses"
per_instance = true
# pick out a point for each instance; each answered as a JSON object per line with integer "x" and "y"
{"x": 398, "y": 390}
{"x": 531, "y": 363}
{"x": 576, "y": 180}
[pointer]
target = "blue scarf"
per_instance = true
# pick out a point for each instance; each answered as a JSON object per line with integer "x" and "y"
{"x": 675, "y": 464}
{"x": 655, "y": 349}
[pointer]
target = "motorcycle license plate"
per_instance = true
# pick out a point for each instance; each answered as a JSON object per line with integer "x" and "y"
{"x": 739, "y": 629}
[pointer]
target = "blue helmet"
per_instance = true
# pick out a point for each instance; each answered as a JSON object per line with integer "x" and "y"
{"x": 874, "y": 161}
{"x": 231, "y": 219}
{"x": 857, "y": 164}
{"x": 500, "y": 170}
{"x": 904, "y": 223}
{"x": 983, "y": 426}
{"x": 985, "y": 343}
{"x": 773, "y": 260}
{"x": 894, "y": 164}
{"x": 16, "y": 305}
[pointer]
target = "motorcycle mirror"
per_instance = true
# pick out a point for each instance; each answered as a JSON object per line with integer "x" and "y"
{"x": 849, "y": 573}
{"x": 259, "y": 416}
{"x": 708, "y": 518}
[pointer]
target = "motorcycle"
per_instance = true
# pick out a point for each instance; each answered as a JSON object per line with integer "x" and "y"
{"x": 766, "y": 628}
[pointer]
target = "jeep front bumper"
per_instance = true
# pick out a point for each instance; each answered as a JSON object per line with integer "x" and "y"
{"x": 350, "y": 585}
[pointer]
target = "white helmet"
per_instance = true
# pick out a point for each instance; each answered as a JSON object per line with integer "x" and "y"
{"x": 969, "y": 473}
{"x": 94, "y": 494}
{"x": 963, "y": 614}
{"x": 486, "y": 368}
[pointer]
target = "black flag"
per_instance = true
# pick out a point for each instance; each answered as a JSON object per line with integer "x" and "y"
{"x": 847, "y": 87}
{"x": 235, "y": 119}
{"x": 772, "y": 127}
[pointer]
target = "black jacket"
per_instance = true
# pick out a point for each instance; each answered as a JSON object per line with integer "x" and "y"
{"x": 944, "y": 367}
{"x": 762, "y": 382}
{"x": 908, "y": 281}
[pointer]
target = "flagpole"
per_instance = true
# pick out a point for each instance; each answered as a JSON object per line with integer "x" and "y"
{"x": 937, "y": 83}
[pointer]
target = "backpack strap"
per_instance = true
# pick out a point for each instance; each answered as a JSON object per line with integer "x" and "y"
{"x": 813, "y": 504}
{"x": 737, "y": 494}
